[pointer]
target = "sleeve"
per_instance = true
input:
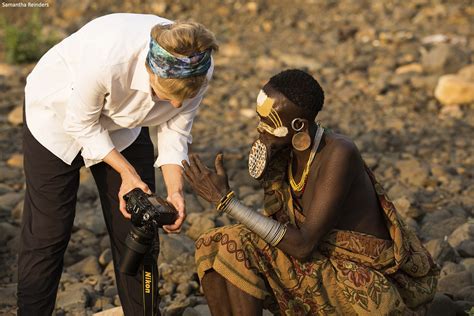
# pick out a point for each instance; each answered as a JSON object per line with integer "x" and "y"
{"x": 175, "y": 135}
{"x": 84, "y": 109}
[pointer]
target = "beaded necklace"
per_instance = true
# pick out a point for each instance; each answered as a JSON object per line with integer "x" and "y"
{"x": 297, "y": 187}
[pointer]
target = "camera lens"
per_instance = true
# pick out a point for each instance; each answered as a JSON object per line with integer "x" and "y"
{"x": 138, "y": 242}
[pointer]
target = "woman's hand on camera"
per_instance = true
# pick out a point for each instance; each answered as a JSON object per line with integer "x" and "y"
{"x": 177, "y": 199}
{"x": 209, "y": 184}
{"x": 130, "y": 181}
{"x": 130, "y": 178}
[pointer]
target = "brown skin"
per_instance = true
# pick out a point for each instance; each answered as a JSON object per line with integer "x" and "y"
{"x": 338, "y": 195}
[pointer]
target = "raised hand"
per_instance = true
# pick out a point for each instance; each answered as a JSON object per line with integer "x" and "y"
{"x": 209, "y": 184}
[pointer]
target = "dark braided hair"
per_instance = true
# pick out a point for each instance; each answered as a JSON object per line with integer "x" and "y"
{"x": 300, "y": 88}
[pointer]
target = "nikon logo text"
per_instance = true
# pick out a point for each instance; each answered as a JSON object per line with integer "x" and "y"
{"x": 147, "y": 282}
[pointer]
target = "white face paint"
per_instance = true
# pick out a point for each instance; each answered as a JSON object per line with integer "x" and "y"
{"x": 262, "y": 96}
{"x": 265, "y": 109}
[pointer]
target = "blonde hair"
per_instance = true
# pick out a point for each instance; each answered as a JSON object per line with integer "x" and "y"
{"x": 181, "y": 39}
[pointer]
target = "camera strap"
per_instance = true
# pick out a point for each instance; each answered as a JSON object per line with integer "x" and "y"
{"x": 148, "y": 282}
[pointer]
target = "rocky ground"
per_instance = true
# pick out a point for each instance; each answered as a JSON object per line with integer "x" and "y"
{"x": 399, "y": 80}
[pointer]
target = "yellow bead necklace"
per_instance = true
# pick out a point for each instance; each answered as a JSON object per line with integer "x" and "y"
{"x": 297, "y": 187}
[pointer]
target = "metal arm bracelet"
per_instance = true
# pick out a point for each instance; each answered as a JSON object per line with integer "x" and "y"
{"x": 269, "y": 229}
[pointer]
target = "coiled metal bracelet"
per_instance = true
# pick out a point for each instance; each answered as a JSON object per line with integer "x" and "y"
{"x": 269, "y": 229}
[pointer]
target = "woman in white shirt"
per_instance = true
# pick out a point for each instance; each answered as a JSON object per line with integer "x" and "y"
{"x": 88, "y": 102}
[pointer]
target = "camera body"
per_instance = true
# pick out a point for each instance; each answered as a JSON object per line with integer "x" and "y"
{"x": 149, "y": 212}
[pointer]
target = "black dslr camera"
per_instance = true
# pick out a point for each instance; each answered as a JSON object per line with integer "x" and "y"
{"x": 149, "y": 212}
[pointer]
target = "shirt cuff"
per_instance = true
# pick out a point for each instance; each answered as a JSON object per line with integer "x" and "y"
{"x": 97, "y": 147}
{"x": 172, "y": 148}
{"x": 171, "y": 158}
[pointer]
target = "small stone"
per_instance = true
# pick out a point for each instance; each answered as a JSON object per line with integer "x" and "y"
{"x": 79, "y": 286}
{"x": 117, "y": 301}
{"x": 462, "y": 233}
{"x": 184, "y": 288}
{"x": 452, "y": 111}
{"x": 14, "y": 243}
{"x": 453, "y": 282}
{"x": 248, "y": 113}
{"x": 202, "y": 310}
{"x": 412, "y": 171}
{"x": 7, "y": 70}
{"x": 167, "y": 289}
{"x": 17, "y": 211}
{"x": 403, "y": 206}
{"x": 113, "y": 311}
{"x": 102, "y": 301}
{"x": 172, "y": 246}
{"x": 105, "y": 257}
{"x": 441, "y": 305}
{"x": 110, "y": 291}
{"x": 265, "y": 63}
{"x": 177, "y": 306}
{"x": 92, "y": 280}
{"x": 467, "y": 73}
{"x": 199, "y": 226}
{"x": 465, "y": 294}
{"x": 72, "y": 299}
{"x": 465, "y": 307}
{"x": 254, "y": 200}
{"x": 105, "y": 242}
{"x": 109, "y": 270}
{"x": 159, "y": 8}
{"x": 242, "y": 177}
{"x": 5, "y": 188}
{"x": 440, "y": 251}
{"x": 426, "y": 83}
{"x": 68, "y": 278}
{"x": 230, "y": 50}
{"x": 90, "y": 219}
{"x": 441, "y": 229}
{"x": 15, "y": 117}
{"x": 190, "y": 311}
{"x": 453, "y": 89}
{"x": 8, "y": 294}
{"x": 468, "y": 263}
{"x": 192, "y": 204}
{"x": 87, "y": 266}
{"x": 450, "y": 268}
{"x": 15, "y": 161}
{"x": 9, "y": 200}
{"x": 409, "y": 68}
{"x": 7, "y": 232}
{"x": 299, "y": 61}
{"x": 252, "y": 7}
{"x": 444, "y": 58}
{"x": 466, "y": 248}
{"x": 11, "y": 175}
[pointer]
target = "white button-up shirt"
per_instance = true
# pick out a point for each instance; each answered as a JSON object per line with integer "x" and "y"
{"x": 91, "y": 93}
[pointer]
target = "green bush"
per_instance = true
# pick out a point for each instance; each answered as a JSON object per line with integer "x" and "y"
{"x": 25, "y": 44}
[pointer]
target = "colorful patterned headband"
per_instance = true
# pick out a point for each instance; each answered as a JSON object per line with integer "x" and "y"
{"x": 165, "y": 65}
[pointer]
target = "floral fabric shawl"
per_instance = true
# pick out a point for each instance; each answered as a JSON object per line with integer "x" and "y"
{"x": 350, "y": 273}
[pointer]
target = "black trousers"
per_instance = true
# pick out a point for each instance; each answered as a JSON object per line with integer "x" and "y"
{"x": 48, "y": 216}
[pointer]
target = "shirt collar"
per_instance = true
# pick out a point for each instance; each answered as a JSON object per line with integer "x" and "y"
{"x": 141, "y": 78}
